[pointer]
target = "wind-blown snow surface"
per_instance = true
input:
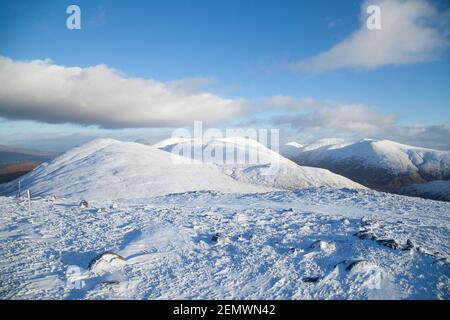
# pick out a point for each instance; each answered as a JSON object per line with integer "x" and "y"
{"x": 437, "y": 190}
{"x": 315, "y": 243}
{"x": 383, "y": 165}
{"x": 258, "y": 164}
{"x": 111, "y": 169}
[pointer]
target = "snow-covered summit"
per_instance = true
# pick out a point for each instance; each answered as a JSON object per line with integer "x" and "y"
{"x": 111, "y": 169}
{"x": 295, "y": 145}
{"x": 166, "y": 143}
{"x": 261, "y": 165}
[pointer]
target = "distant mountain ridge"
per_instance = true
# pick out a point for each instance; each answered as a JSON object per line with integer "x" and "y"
{"x": 10, "y": 155}
{"x": 383, "y": 165}
{"x": 264, "y": 167}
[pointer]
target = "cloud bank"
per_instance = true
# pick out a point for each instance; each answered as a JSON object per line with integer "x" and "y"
{"x": 411, "y": 31}
{"x": 42, "y": 91}
{"x": 347, "y": 118}
{"x": 307, "y": 119}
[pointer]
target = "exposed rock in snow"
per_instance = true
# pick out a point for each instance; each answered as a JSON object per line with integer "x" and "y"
{"x": 107, "y": 262}
{"x": 84, "y": 204}
{"x": 390, "y": 243}
{"x": 359, "y": 266}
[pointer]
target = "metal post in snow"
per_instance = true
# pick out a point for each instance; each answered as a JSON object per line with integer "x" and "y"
{"x": 29, "y": 200}
{"x": 18, "y": 193}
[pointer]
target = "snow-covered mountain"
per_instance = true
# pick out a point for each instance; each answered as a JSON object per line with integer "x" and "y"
{"x": 259, "y": 166}
{"x": 110, "y": 169}
{"x": 437, "y": 190}
{"x": 143, "y": 236}
{"x": 380, "y": 164}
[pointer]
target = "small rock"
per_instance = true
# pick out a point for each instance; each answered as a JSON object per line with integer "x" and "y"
{"x": 215, "y": 237}
{"x": 311, "y": 279}
{"x": 390, "y": 243}
{"x": 365, "y": 235}
{"x": 114, "y": 206}
{"x": 101, "y": 210}
{"x": 409, "y": 245}
{"x": 84, "y": 204}
{"x": 51, "y": 199}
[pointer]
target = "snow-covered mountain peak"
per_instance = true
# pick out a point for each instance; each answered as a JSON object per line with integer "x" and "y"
{"x": 264, "y": 166}
{"x": 171, "y": 142}
{"x": 328, "y": 143}
{"x": 382, "y": 164}
{"x": 111, "y": 169}
{"x": 295, "y": 145}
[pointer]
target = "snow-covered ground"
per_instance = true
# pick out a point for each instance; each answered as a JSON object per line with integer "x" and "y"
{"x": 316, "y": 243}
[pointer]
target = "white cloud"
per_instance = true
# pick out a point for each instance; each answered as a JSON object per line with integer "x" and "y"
{"x": 341, "y": 117}
{"x": 411, "y": 31}
{"x": 435, "y": 136}
{"x": 287, "y": 102}
{"x": 42, "y": 91}
{"x": 307, "y": 119}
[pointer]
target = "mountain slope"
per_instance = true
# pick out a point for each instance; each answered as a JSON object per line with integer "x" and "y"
{"x": 437, "y": 190}
{"x": 383, "y": 165}
{"x": 107, "y": 169}
{"x": 249, "y": 161}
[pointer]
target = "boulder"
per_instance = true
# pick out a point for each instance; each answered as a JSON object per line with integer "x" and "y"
{"x": 390, "y": 243}
{"x": 107, "y": 262}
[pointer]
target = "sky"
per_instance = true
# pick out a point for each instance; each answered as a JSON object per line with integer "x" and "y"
{"x": 140, "y": 69}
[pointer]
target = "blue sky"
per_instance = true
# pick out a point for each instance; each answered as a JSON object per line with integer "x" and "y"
{"x": 235, "y": 50}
